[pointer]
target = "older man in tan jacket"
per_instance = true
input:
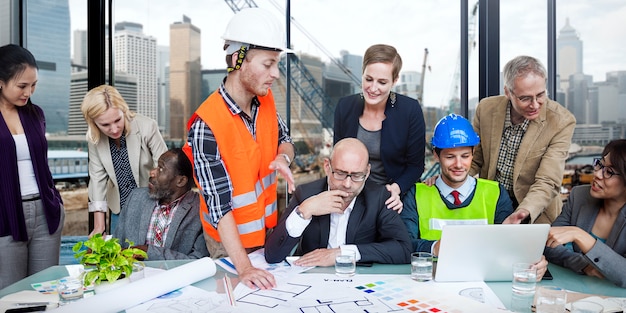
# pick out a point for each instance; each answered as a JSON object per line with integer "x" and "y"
{"x": 525, "y": 138}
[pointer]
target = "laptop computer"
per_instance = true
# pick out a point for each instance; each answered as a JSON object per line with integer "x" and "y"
{"x": 487, "y": 252}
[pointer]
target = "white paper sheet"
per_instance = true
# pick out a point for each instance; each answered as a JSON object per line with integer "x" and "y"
{"x": 257, "y": 258}
{"x": 373, "y": 293}
{"x": 188, "y": 299}
{"x": 145, "y": 289}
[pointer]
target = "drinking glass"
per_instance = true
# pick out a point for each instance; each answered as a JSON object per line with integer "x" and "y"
{"x": 421, "y": 266}
{"x": 524, "y": 278}
{"x": 586, "y": 307}
{"x": 345, "y": 264}
{"x": 70, "y": 289}
{"x": 551, "y": 299}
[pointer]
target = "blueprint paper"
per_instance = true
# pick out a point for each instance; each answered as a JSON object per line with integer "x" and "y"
{"x": 187, "y": 299}
{"x": 144, "y": 289}
{"x": 257, "y": 259}
{"x": 367, "y": 293}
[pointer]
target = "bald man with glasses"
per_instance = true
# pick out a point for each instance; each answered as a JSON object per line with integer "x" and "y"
{"x": 340, "y": 212}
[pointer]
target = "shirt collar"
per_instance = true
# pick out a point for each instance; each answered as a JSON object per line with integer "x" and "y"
{"x": 464, "y": 190}
{"x": 174, "y": 203}
{"x": 234, "y": 108}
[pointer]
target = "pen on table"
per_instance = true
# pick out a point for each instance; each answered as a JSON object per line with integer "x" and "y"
{"x": 231, "y": 265}
{"x": 229, "y": 291}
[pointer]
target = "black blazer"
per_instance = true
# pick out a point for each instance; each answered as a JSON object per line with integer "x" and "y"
{"x": 378, "y": 232}
{"x": 402, "y": 145}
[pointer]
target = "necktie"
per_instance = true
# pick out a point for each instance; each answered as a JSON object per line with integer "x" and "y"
{"x": 161, "y": 224}
{"x": 455, "y": 194}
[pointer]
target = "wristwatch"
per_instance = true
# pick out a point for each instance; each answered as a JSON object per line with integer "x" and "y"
{"x": 300, "y": 213}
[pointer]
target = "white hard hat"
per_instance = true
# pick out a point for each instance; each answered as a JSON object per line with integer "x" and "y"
{"x": 257, "y": 27}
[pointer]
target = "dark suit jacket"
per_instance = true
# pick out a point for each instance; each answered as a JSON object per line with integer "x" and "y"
{"x": 581, "y": 210}
{"x": 377, "y": 231}
{"x": 402, "y": 142}
{"x": 184, "y": 240}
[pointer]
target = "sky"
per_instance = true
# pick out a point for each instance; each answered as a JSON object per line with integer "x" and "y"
{"x": 409, "y": 25}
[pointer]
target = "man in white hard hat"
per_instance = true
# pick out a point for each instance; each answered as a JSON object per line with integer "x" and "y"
{"x": 237, "y": 142}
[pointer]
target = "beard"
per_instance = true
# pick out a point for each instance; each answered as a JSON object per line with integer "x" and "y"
{"x": 158, "y": 194}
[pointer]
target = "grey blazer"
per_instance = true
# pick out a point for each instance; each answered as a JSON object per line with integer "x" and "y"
{"x": 609, "y": 258}
{"x": 145, "y": 145}
{"x": 184, "y": 240}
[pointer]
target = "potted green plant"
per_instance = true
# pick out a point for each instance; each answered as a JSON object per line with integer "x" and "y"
{"x": 106, "y": 260}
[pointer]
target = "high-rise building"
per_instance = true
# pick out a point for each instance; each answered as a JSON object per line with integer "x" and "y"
{"x": 569, "y": 55}
{"x": 185, "y": 75}
{"x": 9, "y": 22}
{"x": 125, "y": 84}
{"x": 211, "y": 80}
{"x": 409, "y": 84}
{"x": 614, "y": 108}
{"x": 163, "y": 87}
{"x": 579, "y": 96}
{"x": 48, "y": 39}
{"x": 136, "y": 54}
{"x": 79, "y": 59}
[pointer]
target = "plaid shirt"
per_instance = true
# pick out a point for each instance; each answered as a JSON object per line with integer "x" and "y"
{"x": 511, "y": 139}
{"x": 160, "y": 209}
{"x": 214, "y": 180}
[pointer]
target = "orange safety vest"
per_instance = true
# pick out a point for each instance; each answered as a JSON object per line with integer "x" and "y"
{"x": 247, "y": 163}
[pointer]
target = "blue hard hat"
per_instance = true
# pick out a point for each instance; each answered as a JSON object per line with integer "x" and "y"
{"x": 454, "y": 131}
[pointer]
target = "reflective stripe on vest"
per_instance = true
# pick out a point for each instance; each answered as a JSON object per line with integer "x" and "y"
{"x": 433, "y": 212}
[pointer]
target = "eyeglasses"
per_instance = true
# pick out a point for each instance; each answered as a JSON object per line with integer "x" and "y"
{"x": 340, "y": 175}
{"x": 527, "y": 100}
{"x": 607, "y": 172}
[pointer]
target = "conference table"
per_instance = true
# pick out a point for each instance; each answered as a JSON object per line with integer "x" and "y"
{"x": 562, "y": 277}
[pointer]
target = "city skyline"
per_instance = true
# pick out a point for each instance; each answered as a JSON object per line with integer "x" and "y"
{"x": 598, "y": 24}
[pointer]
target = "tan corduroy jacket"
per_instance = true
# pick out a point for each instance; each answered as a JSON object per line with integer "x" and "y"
{"x": 540, "y": 161}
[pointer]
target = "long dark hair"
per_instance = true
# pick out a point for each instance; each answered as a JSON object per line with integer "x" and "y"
{"x": 14, "y": 60}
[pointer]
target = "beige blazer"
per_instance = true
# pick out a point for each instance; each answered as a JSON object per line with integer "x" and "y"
{"x": 540, "y": 161}
{"x": 145, "y": 146}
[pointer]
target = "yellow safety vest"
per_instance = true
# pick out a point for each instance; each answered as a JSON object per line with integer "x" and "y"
{"x": 434, "y": 214}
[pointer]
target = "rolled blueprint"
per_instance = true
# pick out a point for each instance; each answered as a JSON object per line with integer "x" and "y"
{"x": 142, "y": 290}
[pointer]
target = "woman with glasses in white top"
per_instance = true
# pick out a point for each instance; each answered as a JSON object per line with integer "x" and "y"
{"x": 589, "y": 237}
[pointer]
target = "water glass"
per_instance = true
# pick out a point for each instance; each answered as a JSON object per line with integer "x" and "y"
{"x": 586, "y": 307}
{"x": 138, "y": 272}
{"x": 550, "y": 299}
{"x": 70, "y": 289}
{"x": 421, "y": 266}
{"x": 524, "y": 278}
{"x": 345, "y": 264}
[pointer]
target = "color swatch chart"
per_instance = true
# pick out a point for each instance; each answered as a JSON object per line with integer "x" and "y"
{"x": 403, "y": 295}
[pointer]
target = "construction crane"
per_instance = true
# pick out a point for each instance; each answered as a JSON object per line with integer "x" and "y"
{"x": 304, "y": 83}
{"x": 420, "y": 93}
{"x": 454, "y": 99}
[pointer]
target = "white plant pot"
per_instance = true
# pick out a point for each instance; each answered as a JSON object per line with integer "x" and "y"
{"x": 105, "y": 286}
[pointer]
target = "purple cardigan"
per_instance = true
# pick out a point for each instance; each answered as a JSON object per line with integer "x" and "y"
{"x": 11, "y": 211}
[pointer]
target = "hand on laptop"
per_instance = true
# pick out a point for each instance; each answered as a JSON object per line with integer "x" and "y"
{"x": 542, "y": 267}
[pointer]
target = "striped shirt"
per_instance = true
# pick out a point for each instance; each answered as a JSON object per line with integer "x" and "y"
{"x": 213, "y": 178}
{"x": 511, "y": 139}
